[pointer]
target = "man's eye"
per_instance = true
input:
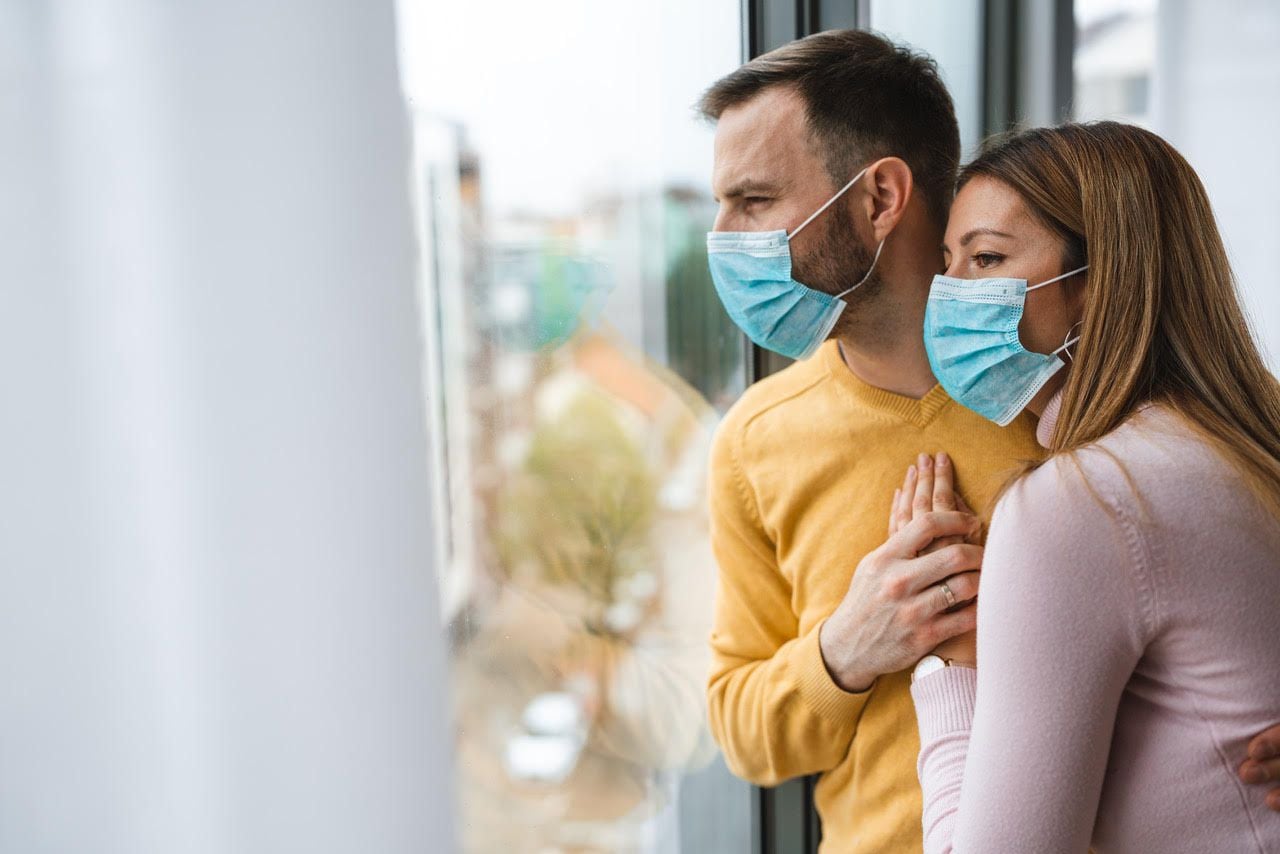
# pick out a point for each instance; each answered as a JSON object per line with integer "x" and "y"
{"x": 755, "y": 200}
{"x": 987, "y": 259}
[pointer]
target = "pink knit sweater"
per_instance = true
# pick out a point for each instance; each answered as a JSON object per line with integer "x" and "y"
{"x": 1128, "y": 649}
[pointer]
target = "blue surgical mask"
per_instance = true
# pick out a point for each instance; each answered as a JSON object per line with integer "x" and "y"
{"x": 971, "y": 336}
{"x": 752, "y": 274}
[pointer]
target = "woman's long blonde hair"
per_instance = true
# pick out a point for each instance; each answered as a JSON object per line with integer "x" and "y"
{"x": 1162, "y": 317}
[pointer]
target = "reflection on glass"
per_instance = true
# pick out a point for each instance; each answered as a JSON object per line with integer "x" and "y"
{"x": 577, "y": 358}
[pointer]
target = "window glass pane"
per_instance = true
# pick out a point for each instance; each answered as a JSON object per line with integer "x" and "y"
{"x": 578, "y": 361}
{"x": 1205, "y": 77}
{"x": 951, "y": 32}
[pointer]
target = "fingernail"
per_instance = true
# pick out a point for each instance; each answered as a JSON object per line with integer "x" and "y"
{"x": 1254, "y": 774}
{"x": 1262, "y": 750}
{"x": 911, "y": 471}
{"x": 943, "y": 461}
{"x": 925, "y": 461}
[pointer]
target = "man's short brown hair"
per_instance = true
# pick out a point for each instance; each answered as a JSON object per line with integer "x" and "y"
{"x": 865, "y": 98}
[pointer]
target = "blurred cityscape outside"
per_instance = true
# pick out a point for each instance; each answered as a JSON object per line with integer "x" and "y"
{"x": 577, "y": 361}
{"x": 578, "y": 576}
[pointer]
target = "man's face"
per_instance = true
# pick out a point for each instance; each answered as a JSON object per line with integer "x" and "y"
{"x": 768, "y": 177}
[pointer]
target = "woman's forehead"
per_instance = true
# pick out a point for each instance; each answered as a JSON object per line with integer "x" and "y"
{"x": 989, "y": 205}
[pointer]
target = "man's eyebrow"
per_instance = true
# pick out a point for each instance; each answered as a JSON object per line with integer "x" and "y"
{"x": 747, "y": 187}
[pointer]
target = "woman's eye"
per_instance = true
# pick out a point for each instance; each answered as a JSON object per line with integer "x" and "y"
{"x": 987, "y": 259}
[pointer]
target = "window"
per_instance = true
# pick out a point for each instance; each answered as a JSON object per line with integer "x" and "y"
{"x": 950, "y": 31}
{"x": 1204, "y": 77}
{"x": 577, "y": 360}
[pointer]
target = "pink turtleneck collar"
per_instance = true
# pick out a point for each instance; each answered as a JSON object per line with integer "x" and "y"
{"x": 1049, "y": 418}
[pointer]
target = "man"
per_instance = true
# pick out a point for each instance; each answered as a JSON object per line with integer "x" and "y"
{"x": 817, "y": 617}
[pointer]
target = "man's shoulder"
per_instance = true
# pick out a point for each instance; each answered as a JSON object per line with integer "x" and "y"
{"x": 777, "y": 398}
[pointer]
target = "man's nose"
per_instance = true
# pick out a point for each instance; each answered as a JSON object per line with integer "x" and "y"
{"x": 721, "y": 216}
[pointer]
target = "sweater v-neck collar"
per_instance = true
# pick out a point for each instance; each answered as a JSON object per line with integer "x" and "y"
{"x": 918, "y": 412}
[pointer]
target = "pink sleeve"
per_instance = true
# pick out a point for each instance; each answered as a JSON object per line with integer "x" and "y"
{"x": 1013, "y": 755}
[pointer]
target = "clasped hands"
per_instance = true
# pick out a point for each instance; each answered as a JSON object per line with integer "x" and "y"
{"x": 896, "y": 609}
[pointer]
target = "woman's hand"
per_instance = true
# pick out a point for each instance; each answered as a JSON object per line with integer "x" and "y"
{"x": 928, "y": 486}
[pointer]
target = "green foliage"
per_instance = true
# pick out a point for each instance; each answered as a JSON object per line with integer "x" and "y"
{"x": 580, "y": 509}
{"x": 703, "y": 345}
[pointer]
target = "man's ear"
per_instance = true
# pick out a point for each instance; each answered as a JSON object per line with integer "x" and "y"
{"x": 889, "y": 186}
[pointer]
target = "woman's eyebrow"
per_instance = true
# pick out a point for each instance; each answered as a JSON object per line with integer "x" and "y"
{"x": 970, "y": 235}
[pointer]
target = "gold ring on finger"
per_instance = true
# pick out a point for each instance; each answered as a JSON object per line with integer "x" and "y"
{"x": 946, "y": 591}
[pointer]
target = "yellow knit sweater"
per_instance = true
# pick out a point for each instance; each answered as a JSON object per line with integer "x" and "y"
{"x": 802, "y": 473}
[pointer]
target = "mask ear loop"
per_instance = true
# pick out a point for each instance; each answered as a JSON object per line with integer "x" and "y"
{"x": 831, "y": 201}
{"x": 1059, "y": 278}
{"x": 1068, "y": 341}
{"x": 869, "y": 271}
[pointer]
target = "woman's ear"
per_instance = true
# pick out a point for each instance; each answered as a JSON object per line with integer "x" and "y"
{"x": 889, "y": 186}
{"x": 1077, "y": 293}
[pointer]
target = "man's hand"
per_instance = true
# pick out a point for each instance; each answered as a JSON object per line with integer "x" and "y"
{"x": 893, "y": 613}
{"x": 1263, "y": 764}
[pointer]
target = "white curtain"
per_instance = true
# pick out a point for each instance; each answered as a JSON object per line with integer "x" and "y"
{"x": 216, "y": 599}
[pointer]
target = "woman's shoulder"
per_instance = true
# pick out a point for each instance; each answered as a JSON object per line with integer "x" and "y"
{"x": 1155, "y": 447}
{"x": 1073, "y": 531}
{"x": 1154, "y": 453}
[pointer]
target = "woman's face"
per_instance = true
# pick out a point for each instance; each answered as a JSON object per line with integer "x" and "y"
{"x": 992, "y": 234}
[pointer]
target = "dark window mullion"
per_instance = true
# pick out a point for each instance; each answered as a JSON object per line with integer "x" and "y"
{"x": 807, "y": 17}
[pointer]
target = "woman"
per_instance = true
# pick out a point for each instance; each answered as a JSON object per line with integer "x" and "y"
{"x": 1130, "y": 594}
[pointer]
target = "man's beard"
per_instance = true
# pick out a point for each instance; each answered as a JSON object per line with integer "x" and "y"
{"x": 838, "y": 263}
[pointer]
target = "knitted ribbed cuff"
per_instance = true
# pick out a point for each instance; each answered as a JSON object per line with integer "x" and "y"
{"x": 818, "y": 689}
{"x": 944, "y": 701}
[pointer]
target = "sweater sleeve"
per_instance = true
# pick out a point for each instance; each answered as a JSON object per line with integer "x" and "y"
{"x": 774, "y": 708}
{"x": 1012, "y": 757}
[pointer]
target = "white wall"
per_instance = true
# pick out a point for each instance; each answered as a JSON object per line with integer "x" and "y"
{"x": 1217, "y": 99}
{"x": 216, "y": 600}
